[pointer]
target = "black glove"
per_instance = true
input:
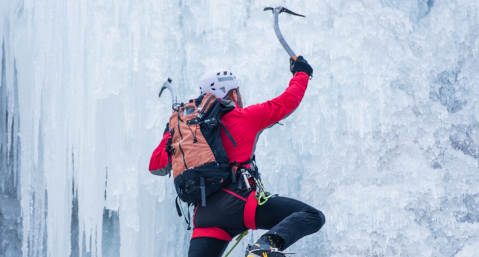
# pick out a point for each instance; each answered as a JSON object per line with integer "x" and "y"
{"x": 300, "y": 65}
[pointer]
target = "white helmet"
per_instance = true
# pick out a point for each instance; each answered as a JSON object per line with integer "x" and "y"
{"x": 217, "y": 82}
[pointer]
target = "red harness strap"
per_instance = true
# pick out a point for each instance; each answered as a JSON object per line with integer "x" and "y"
{"x": 231, "y": 193}
{"x": 217, "y": 233}
{"x": 250, "y": 211}
{"x": 211, "y": 232}
{"x": 249, "y": 216}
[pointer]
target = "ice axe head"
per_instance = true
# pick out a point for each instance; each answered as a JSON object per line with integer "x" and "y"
{"x": 282, "y": 9}
{"x": 167, "y": 85}
{"x": 276, "y": 11}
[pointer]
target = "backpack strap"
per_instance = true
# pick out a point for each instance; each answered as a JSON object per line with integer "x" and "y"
{"x": 227, "y": 133}
{"x": 180, "y": 211}
{"x": 203, "y": 191}
{"x": 169, "y": 150}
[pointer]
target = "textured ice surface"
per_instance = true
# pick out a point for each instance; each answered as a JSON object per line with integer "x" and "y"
{"x": 385, "y": 142}
{"x": 10, "y": 211}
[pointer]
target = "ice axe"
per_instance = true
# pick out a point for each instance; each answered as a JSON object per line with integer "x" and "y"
{"x": 166, "y": 85}
{"x": 276, "y": 12}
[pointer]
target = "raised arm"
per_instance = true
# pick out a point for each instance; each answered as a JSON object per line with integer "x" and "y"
{"x": 267, "y": 113}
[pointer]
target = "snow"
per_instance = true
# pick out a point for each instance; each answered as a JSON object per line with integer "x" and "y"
{"x": 385, "y": 142}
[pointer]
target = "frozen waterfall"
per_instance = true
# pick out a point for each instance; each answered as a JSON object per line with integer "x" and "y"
{"x": 385, "y": 142}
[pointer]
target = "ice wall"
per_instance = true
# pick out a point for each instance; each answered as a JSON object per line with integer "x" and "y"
{"x": 385, "y": 142}
{"x": 10, "y": 210}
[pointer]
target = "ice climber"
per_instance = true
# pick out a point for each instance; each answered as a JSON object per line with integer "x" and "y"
{"x": 234, "y": 209}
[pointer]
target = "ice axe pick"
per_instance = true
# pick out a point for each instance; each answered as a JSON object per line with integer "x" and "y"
{"x": 167, "y": 85}
{"x": 276, "y": 12}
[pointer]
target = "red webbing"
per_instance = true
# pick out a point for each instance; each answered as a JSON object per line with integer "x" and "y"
{"x": 229, "y": 192}
{"x": 250, "y": 211}
{"x": 217, "y": 233}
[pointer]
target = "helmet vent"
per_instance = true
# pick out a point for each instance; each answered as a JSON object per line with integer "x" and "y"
{"x": 212, "y": 84}
{"x": 214, "y": 89}
{"x": 231, "y": 73}
{"x": 217, "y": 74}
{"x": 224, "y": 73}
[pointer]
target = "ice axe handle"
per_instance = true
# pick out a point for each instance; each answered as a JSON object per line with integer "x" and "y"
{"x": 167, "y": 85}
{"x": 276, "y": 11}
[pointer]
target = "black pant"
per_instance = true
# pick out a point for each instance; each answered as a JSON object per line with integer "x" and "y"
{"x": 285, "y": 217}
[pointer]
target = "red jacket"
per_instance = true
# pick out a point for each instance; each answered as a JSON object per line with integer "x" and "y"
{"x": 244, "y": 124}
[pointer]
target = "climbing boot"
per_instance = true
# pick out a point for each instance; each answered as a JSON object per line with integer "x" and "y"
{"x": 266, "y": 246}
{"x": 262, "y": 250}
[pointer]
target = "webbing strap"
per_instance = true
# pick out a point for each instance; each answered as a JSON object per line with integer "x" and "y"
{"x": 223, "y": 165}
{"x": 168, "y": 148}
{"x": 227, "y": 133}
{"x": 217, "y": 233}
{"x": 240, "y": 183}
{"x": 203, "y": 191}
{"x": 178, "y": 207}
{"x": 234, "y": 194}
{"x": 234, "y": 168}
{"x": 249, "y": 161}
{"x": 181, "y": 212}
{"x": 250, "y": 211}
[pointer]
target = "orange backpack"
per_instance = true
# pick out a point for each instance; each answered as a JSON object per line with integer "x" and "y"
{"x": 198, "y": 160}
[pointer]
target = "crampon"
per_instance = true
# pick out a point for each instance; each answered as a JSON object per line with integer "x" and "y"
{"x": 263, "y": 250}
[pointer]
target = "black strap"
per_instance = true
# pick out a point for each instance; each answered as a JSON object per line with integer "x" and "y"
{"x": 233, "y": 177}
{"x": 247, "y": 162}
{"x": 228, "y": 133}
{"x": 224, "y": 165}
{"x": 179, "y": 119}
{"x": 167, "y": 129}
{"x": 250, "y": 162}
{"x": 169, "y": 150}
{"x": 203, "y": 191}
{"x": 178, "y": 209}
{"x": 169, "y": 166}
{"x": 189, "y": 217}
{"x": 240, "y": 183}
